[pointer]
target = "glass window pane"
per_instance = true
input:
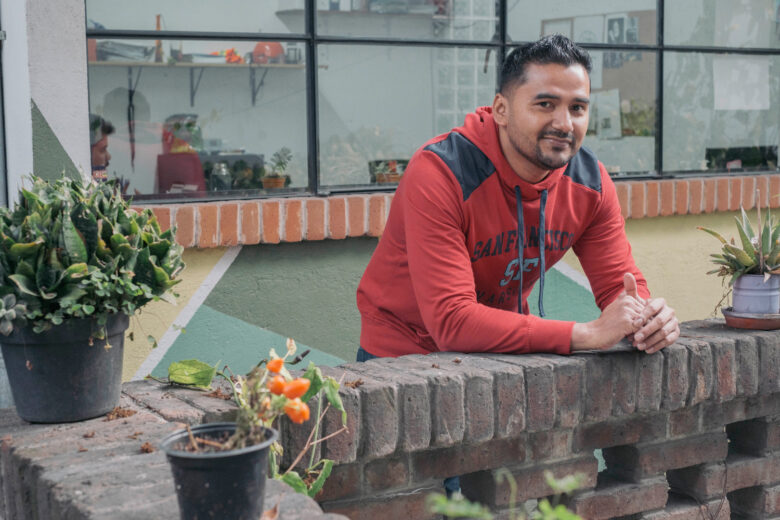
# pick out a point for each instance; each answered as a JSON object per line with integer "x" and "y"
{"x": 616, "y": 22}
{"x": 622, "y": 123}
{"x": 195, "y": 15}
{"x": 380, "y": 103}
{"x": 413, "y": 19}
{"x": 178, "y": 122}
{"x": 721, "y": 112}
{"x": 723, "y": 23}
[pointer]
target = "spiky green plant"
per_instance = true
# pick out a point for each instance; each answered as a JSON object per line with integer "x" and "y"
{"x": 70, "y": 250}
{"x": 279, "y": 162}
{"x": 760, "y": 251}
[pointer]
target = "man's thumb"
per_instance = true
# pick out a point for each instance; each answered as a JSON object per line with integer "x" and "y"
{"x": 629, "y": 283}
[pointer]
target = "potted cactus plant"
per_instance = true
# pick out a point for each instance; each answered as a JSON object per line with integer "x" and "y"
{"x": 75, "y": 263}
{"x": 275, "y": 177}
{"x": 752, "y": 267}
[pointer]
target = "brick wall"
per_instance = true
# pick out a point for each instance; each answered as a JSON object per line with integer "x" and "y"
{"x": 694, "y": 427}
{"x": 691, "y": 432}
{"x": 270, "y": 221}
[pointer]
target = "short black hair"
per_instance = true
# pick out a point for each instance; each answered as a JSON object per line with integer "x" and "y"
{"x": 98, "y": 128}
{"x": 549, "y": 49}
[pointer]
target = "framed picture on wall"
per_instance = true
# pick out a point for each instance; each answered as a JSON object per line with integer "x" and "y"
{"x": 615, "y": 34}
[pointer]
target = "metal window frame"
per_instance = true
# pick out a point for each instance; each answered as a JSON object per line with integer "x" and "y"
{"x": 500, "y": 42}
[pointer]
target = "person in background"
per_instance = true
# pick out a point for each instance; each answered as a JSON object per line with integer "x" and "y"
{"x": 99, "y": 130}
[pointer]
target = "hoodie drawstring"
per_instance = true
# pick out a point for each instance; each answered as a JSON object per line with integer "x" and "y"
{"x": 521, "y": 245}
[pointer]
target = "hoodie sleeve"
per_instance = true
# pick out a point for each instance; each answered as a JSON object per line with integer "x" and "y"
{"x": 604, "y": 251}
{"x": 442, "y": 277}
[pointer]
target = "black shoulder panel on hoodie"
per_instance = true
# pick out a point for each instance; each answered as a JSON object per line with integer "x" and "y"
{"x": 584, "y": 169}
{"x": 466, "y": 162}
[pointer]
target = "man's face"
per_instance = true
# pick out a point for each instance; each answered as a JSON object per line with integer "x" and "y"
{"x": 100, "y": 155}
{"x": 543, "y": 121}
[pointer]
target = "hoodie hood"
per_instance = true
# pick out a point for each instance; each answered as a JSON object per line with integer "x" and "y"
{"x": 481, "y": 129}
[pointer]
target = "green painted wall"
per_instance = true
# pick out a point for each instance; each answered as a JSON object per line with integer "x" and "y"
{"x": 50, "y": 160}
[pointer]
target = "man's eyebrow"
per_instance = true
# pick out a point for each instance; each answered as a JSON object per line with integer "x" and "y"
{"x": 547, "y": 95}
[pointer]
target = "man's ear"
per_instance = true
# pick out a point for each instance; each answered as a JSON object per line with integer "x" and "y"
{"x": 500, "y": 108}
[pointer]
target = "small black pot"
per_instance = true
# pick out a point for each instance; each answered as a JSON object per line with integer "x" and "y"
{"x": 57, "y": 376}
{"x": 225, "y": 484}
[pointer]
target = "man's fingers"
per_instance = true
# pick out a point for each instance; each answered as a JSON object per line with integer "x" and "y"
{"x": 629, "y": 283}
{"x": 663, "y": 342}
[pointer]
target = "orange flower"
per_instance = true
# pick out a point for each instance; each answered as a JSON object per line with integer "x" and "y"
{"x": 276, "y": 385}
{"x": 275, "y": 365}
{"x": 296, "y": 388}
{"x": 297, "y": 410}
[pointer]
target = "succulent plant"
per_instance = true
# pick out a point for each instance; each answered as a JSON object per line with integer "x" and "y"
{"x": 11, "y": 311}
{"x": 70, "y": 250}
{"x": 759, "y": 254}
{"x": 279, "y": 161}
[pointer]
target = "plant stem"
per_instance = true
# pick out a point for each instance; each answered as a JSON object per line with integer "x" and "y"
{"x": 316, "y": 430}
{"x": 307, "y": 445}
{"x": 193, "y": 443}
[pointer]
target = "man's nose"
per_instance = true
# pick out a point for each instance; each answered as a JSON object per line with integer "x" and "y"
{"x": 562, "y": 121}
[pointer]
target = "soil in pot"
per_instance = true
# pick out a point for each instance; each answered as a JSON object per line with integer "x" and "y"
{"x": 753, "y": 295}
{"x": 218, "y": 484}
{"x": 58, "y": 376}
{"x": 273, "y": 182}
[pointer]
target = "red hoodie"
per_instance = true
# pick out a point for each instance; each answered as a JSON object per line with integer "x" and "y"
{"x": 445, "y": 275}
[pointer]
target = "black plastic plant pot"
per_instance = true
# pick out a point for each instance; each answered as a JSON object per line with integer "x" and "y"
{"x": 222, "y": 484}
{"x": 58, "y": 376}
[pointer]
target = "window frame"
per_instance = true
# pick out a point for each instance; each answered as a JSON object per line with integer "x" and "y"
{"x": 500, "y": 43}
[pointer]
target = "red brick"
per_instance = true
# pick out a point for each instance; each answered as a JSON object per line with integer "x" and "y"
{"x": 649, "y": 383}
{"x": 315, "y": 219}
{"x": 614, "y": 498}
{"x": 409, "y": 505}
{"x": 774, "y": 191}
{"x": 637, "y": 199}
{"x": 163, "y": 214}
{"x": 208, "y": 221}
{"x": 185, "y": 225}
{"x": 646, "y": 460}
{"x": 685, "y": 508}
{"x": 357, "y": 216}
{"x": 710, "y": 195}
{"x": 271, "y": 220}
{"x": 376, "y": 215}
{"x": 667, "y": 198}
{"x": 722, "y": 200}
{"x": 748, "y": 192}
{"x": 684, "y": 421}
{"x": 725, "y": 359}
{"x": 597, "y": 400}
{"x": 549, "y": 445}
{"x": 756, "y": 502}
{"x": 338, "y": 218}
{"x": 652, "y": 189}
{"x": 293, "y": 210}
{"x": 461, "y": 459}
{"x": 676, "y": 377}
{"x": 696, "y": 189}
{"x": 762, "y": 185}
{"x": 622, "y": 193}
{"x": 705, "y": 481}
{"x": 624, "y": 383}
{"x": 344, "y": 481}
{"x": 482, "y": 486}
{"x": 228, "y": 224}
{"x": 387, "y": 473}
{"x": 629, "y": 430}
{"x": 735, "y": 193}
{"x": 250, "y": 222}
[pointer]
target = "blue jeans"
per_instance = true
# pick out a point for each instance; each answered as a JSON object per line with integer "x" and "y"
{"x": 451, "y": 484}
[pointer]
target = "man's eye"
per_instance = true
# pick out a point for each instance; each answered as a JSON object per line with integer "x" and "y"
{"x": 545, "y": 104}
{"x": 578, "y": 108}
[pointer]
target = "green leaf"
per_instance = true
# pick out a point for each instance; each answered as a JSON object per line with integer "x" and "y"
{"x": 316, "y": 486}
{"x": 74, "y": 242}
{"x": 191, "y": 372}
{"x": 314, "y": 375}
{"x": 292, "y": 479}
{"x": 69, "y": 294}
{"x": 29, "y": 250}
{"x": 747, "y": 246}
{"x": 24, "y": 284}
{"x": 332, "y": 393}
{"x": 713, "y": 233}
{"x": 459, "y": 507}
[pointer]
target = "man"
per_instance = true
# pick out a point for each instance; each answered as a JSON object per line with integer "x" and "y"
{"x": 461, "y": 248}
{"x": 99, "y": 130}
